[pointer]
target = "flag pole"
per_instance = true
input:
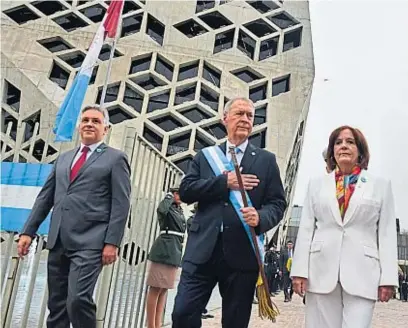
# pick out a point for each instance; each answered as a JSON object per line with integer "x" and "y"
{"x": 112, "y": 53}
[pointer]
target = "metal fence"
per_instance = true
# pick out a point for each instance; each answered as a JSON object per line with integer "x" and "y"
{"x": 120, "y": 293}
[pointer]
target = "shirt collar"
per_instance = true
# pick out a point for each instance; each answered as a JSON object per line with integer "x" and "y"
{"x": 242, "y": 147}
{"x": 91, "y": 147}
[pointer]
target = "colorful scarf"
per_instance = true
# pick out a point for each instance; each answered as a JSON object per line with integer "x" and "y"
{"x": 345, "y": 185}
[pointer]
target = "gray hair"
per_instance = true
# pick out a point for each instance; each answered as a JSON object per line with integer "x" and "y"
{"x": 229, "y": 104}
{"x": 99, "y": 109}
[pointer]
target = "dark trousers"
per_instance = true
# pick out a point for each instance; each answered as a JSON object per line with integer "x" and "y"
{"x": 274, "y": 283}
{"x": 195, "y": 287}
{"x": 404, "y": 293}
{"x": 72, "y": 276}
{"x": 287, "y": 286}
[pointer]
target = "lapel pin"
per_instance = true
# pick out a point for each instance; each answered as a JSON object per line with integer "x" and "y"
{"x": 98, "y": 150}
{"x": 253, "y": 153}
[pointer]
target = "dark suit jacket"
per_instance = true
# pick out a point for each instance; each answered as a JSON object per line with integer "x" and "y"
{"x": 90, "y": 211}
{"x": 214, "y": 208}
{"x": 283, "y": 260}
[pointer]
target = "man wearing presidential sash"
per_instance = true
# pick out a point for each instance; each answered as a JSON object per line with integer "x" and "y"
{"x": 219, "y": 248}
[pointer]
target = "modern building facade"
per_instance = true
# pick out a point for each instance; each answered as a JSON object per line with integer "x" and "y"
{"x": 176, "y": 64}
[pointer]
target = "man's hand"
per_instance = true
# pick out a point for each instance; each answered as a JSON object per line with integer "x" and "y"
{"x": 250, "y": 181}
{"x": 23, "y": 245}
{"x": 299, "y": 285}
{"x": 385, "y": 293}
{"x": 109, "y": 254}
{"x": 251, "y": 216}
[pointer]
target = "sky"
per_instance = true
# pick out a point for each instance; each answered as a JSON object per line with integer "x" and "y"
{"x": 361, "y": 59}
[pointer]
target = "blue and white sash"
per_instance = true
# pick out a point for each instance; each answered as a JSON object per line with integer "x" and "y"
{"x": 219, "y": 164}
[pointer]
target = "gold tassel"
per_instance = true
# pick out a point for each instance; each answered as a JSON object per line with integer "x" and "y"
{"x": 267, "y": 308}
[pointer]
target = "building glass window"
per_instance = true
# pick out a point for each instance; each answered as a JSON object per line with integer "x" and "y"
{"x": 133, "y": 99}
{"x": 258, "y": 93}
{"x": 246, "y": 44}
{"x": 280, "y": 85}
{"x": 70, "y": 22}
{"x": 190, "y": 28}
{"x": 13, "y": 96}
{"x": 21, "y": 14}
{"x": 59, "y": 75}
{"x": 224, "y": 41}
{"x": 131, "y": 25}
{"x": 215, "y": 20}
{"x": 140, "y": 64}
{"x": 158, "y": 101}
{"x": 55, "y": 44}
{"x": 155, "y": 29}
{"x": 184, "y": 94}
{"x": 49, "y": 7}
{"x": 292, "y": 39}
{"x": 260, "y": 28}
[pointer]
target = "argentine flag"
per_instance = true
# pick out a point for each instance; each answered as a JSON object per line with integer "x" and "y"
{"x": 20, "y": 186}
{"x": 67, "y": 115}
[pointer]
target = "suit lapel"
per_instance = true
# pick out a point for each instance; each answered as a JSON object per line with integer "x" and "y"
{"x": 94, "y": 156}
{"x": 330, "y": 189}
{"x": 355, "y": 198}
{"x": 249, "y": 158}
{"x": 70, "y": 159}
{"x": 223, "y": 147}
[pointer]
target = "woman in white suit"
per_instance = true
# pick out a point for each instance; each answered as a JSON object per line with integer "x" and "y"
{"x": 346, "y": 250}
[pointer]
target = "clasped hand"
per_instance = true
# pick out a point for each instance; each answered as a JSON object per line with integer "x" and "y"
{"x": 250, "y": 181}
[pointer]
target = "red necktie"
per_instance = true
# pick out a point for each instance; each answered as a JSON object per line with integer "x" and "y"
{"x": 78, "y": 164}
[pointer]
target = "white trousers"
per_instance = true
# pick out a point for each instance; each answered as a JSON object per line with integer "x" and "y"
{"x": 338, "y": 310}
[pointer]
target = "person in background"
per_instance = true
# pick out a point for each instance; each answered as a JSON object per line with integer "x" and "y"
{"x": 404, "y": 288}
{"x": 272, "y": 269}
{"x": 165, "y": 256}
{"x": 285, "y": 262}
{"x": 324, "y": 154}
{"x": 346, "y": 249}
{"x": 89, "y": 191}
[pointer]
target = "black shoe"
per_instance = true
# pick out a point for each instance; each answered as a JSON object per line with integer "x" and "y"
{"x": 207, "y": 316}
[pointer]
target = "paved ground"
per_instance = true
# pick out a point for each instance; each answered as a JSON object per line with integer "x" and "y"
{"x": 391, "y": 315}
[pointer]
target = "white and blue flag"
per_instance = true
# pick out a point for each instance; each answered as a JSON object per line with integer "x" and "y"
{"x": 20, "y": 185}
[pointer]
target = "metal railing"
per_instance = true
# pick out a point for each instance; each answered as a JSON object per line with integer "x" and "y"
{"x": 120, "y": 292}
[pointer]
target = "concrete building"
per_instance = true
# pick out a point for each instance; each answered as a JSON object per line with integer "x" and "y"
{"x": 176, "y": 64}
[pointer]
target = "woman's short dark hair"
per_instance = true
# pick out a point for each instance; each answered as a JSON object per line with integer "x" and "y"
{"x": 361, "y": 143}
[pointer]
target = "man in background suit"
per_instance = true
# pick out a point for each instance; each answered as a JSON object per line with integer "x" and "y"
{"x": 218, "y": 248}
{"x": 284, "y": 272}
{"x": 89, "y": 191}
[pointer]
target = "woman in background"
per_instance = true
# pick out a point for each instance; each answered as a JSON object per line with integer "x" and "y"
{"x": 165, "y": 256}
{"x": 346, "y": 250}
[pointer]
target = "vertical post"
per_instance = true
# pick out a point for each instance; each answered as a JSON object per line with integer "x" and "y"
{"x": 112, "y": 53}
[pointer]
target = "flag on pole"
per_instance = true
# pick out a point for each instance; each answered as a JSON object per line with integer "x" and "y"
{"x": 68, "y": 113}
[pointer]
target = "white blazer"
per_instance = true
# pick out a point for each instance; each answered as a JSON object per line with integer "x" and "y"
{"x": 359, "y": 252}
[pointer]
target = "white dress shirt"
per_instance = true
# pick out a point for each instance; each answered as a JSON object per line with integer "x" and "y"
{"x": 242, "y": 147}
{"x": 240, "y": 154}
{"x": 92, "y": 148}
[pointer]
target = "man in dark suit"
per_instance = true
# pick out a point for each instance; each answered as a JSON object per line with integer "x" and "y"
{"x": 285, "y": 255}
{"x": 218, "y": 248}
{"x": 272, "y": 268}
{"x": 89, "y": 191}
